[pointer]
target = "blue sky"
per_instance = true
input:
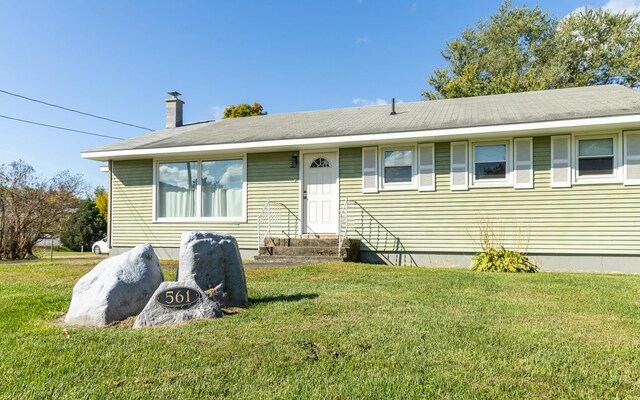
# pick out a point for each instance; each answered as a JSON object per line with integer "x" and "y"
{"x": 119, "y": 58}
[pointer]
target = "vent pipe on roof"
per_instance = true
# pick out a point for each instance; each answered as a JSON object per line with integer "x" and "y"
{"x": 393, "y": 106}
{"x": 174, "y": 110}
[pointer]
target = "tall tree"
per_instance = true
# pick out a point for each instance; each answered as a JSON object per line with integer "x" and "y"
{"x": 507, "y": 53}
{"x": 31, "y": 205}
{"x": 599, "y": 47}
{"x": 521, "y": 49}
{"x": 243, "y": 110}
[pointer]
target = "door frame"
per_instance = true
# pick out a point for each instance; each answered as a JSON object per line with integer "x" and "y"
{"x": 302, "y": 211}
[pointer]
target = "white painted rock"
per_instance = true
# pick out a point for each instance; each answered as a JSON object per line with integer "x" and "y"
{"x": 213, "y": 260}
{"x": 174, "y": 303}
{"x": 116, "y": 289}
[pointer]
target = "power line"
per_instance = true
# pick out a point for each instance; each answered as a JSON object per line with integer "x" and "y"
{"x": 60, "y": 127}
{"x": 72, "y": 110}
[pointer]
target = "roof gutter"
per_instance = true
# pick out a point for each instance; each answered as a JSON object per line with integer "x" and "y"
{"x": 537, "y": 128}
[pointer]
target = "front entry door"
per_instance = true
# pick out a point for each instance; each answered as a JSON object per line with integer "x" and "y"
{"x": 320, "y": 193}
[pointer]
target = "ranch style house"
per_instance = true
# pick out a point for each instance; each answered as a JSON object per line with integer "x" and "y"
{"x": 555, "y": 173}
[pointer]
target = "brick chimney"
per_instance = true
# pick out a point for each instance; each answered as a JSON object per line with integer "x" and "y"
{"x": 174, "y": 110}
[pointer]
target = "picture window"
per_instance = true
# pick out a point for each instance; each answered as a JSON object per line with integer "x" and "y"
{"x": 209, "y": 189}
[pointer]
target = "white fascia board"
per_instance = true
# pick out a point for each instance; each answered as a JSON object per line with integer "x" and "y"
{"x": 364, "y": 139}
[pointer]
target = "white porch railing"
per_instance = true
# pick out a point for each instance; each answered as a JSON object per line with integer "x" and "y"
{"x": 275, "y": 220}
{"x": 343, "y": 224}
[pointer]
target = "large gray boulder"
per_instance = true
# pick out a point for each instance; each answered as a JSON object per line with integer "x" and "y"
{"x": 184, "y": 309}
{"x": 213, "y": 260}
{"x": 115, "y": 289}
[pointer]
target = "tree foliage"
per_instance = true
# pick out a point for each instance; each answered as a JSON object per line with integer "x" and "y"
{"x": 522, "y": 49}
{"x": 599, "y": 47}
{"x": 84, "y": 227}
{"x": 102, "y": 203}
{"x": 31, "y": 205}
{"x": 243, "y": 110}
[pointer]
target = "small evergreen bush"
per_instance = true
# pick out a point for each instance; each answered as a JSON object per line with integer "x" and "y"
{"x": 499, "y": 259}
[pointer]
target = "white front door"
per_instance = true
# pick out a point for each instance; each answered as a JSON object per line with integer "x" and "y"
{"x": 320, "y": 193}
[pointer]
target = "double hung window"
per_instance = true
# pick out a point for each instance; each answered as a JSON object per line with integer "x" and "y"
{"x": 394, "y": 168}
{"x": 398, "y": 166}
{"x": 596, "y": 157}
{"x": 490, "y": 161}
{"x": 491, "y": 164}
{"x": 584, "y": 159}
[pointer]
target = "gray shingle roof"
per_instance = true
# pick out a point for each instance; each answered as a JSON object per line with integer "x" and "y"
{"x": 550, "y": 105}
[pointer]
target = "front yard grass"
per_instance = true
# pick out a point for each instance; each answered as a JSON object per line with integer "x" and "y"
{"x": 338, "y": 331}
{"x": 43, "y": 253}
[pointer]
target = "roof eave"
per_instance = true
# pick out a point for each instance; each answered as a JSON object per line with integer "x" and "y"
{"x": 529, "y": 128}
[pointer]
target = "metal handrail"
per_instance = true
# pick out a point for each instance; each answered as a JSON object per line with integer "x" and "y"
{"x": 376, "y": 236}
{"x": 263, "y": 221}
{"x": 277, "y": 219}
{"x": 343, "y": 223}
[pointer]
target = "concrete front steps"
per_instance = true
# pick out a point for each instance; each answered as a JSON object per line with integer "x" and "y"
{"x": 307, "y": 250}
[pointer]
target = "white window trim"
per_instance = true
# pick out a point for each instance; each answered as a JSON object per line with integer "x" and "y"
{"x": 491, "y": 183}
{"x": 616, "y": 177}
{"x": 414, "y": 168}
{"x": 198, "y": 217}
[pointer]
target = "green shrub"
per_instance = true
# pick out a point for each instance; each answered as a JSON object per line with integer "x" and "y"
{"x": 499, "y": 259}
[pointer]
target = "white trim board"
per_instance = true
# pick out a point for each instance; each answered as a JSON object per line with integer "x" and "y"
{"x": 530, "y": 128}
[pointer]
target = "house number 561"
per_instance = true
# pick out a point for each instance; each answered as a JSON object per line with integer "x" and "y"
{"x": 178, "y": 297}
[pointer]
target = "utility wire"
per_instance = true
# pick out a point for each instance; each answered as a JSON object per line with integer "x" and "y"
{"x": 75, "y": 111}
{"x": 60, "y": 127}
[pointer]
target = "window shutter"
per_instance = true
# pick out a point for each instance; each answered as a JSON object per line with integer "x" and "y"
{"x": 560, "y": 161}
{"x": 426, "y": 168}
{"x": 369, "y": 170}
{"x": 523, "y": 163}
{"x": 459, "y": 170}
{"x": 632, "y": 158}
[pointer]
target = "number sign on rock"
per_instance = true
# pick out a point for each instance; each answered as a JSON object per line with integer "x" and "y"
{"x": 178, "y": 298}
{"x": 176, "y": 302}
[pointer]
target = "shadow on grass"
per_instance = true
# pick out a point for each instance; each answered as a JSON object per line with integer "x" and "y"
{"x": 283, "y": 298}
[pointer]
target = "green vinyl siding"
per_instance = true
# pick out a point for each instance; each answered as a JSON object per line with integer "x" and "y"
{"x": 268, "y": 178}
{"x": 584, "y": 219}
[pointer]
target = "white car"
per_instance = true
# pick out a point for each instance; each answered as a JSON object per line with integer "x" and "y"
{"x": 101, "y": 246}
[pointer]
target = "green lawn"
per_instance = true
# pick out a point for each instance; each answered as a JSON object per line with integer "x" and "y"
{"x": 339, "y": 331}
